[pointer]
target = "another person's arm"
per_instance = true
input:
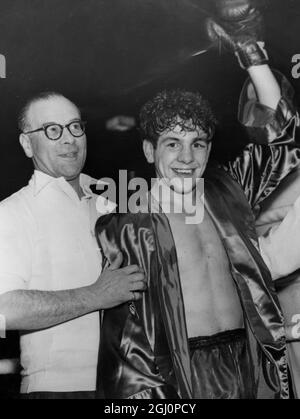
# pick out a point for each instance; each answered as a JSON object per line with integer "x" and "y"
{"x": 266, "y": 86}
{"x": 280, "y": 247}
{"x": 266, "y": 107}
{"x": 273, "y": 152}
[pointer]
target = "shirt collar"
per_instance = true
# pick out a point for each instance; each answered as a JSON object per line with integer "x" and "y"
{"x": 41, "y": 180}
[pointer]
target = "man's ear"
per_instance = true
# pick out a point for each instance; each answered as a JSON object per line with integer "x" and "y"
{"x": 26, "y": 145}
{"x": 148, "y": 151}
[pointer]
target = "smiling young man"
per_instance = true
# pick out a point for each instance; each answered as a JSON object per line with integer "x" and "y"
{"x": 210, "y": 317}
{"x": 51, "y": 286}
{"x": 180, "y": 154}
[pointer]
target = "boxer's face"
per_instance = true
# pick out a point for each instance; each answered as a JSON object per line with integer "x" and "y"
{"x": 64, "y": 157}
{"x": 180, "y": 157}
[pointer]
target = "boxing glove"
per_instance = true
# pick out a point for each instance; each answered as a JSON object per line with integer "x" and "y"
{"x": 237, "y": 25}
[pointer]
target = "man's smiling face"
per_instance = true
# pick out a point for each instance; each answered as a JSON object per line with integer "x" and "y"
{"x": 64, "y": 157}
{"x": 180, "y": 157}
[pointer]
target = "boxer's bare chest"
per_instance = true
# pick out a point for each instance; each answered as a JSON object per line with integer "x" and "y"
{"x": 210, "y": 297}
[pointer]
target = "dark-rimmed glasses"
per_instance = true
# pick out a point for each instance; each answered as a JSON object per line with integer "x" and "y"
{"x": 55, "y": 131}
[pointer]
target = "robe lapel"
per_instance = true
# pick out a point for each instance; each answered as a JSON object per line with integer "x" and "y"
{"x": 251, "y": 276}
{"x": 233, "y": 219}
{"x": 171, "y": 302}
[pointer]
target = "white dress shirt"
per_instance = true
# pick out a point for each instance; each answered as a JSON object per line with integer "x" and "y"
{"x": 47, "y": 243}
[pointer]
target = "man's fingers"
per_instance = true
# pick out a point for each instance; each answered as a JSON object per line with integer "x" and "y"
{"x": 135, "y": 295}
{"x": 136, "y": 277}
{"x": 139, "y": 286}
{"x": 131, "y": 269}
{"x": 117, "y": 262}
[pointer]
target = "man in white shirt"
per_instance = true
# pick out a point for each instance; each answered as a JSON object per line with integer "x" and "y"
{"x": 50, "y": 284}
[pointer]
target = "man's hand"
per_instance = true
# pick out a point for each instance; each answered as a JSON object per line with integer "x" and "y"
{"x": 117, "y": 286}
{"x": 36, "y": 310}
{"x": 238, "y": 26}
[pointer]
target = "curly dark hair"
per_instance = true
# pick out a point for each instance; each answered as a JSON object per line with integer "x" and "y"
{"x": 175, "y": 107}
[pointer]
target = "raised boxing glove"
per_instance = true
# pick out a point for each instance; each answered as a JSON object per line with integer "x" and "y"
{"x": 237, "y": 25}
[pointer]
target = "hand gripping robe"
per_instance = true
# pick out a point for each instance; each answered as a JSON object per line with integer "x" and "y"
{"x": 144, "y": 350}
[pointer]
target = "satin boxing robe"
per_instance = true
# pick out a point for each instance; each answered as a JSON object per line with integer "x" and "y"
{"x": 144, "y": 350}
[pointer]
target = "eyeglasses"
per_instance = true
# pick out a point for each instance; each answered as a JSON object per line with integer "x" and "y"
{"x": 55, "y": 131}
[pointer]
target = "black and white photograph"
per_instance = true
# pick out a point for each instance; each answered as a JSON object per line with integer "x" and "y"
{"x": 150, "y": 202}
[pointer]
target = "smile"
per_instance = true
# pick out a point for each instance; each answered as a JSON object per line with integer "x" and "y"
{"x": 184, "y": 171}
{"x": 69, "y": 155}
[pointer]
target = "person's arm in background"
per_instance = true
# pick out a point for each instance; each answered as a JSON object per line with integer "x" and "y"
{"x": 280, "y": 246}
{"x": 266, "y": 86}
{"x": 266, "y": 107}
{"x": 238, "y": 27}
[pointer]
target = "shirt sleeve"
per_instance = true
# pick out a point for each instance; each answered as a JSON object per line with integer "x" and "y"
{"x": 280, "y": 245}
{"x": 273, "y": 152}
{"x": 15, "y": 251}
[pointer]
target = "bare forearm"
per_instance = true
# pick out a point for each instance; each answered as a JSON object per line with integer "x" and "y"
{"x": 266, "y": 85}
{"x": 34, "y": 310}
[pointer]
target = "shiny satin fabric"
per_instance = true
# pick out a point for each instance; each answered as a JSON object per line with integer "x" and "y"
{"x": 222, "y": 367}
{"x": 235, "y": 224}
{"x": 289, "y": 297}
{"x": 279, "y": 129}
{"x": 134, "y": 360}
{"x": 144, "y": 345}
{"x": 262, "y": 123}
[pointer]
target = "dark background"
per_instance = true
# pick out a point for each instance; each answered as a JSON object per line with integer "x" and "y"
{"x": 109, "y": 56}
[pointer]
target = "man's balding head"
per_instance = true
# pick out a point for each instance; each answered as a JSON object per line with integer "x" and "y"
{"x": 24, "y": 122}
